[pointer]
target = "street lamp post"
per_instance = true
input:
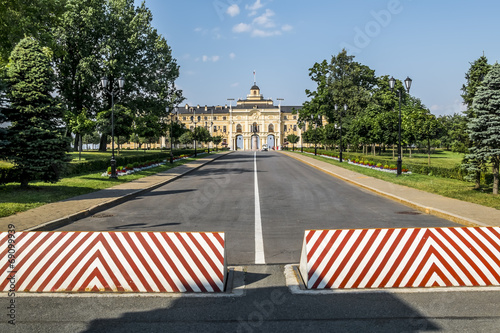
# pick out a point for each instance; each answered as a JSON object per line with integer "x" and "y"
{"x": 340, "y": 145}
{"x": 211, "y": 128}
{"x": 279, "y": 122}
{"x": 194, "y": 121}
{"x": 392, "y": 83}
{"x": 112, "y": 92}
{"x": 231, "y": 139}
{"x": 172, "y": 115}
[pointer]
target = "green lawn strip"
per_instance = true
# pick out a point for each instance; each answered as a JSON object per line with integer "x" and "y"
{"x": 90, "y": 155}
{"x": 14, "y": 200}
{"x": 450, "y": 188}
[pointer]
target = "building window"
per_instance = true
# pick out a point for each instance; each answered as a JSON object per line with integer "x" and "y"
{"x": 215, "y": 118}
{"x": 206, "y": 118}
{"x": 184, "y": 118}
{"x": 215, "y": 128}
{"x": 270, "y": 128}
{"x": 294, "y": 117}
{"x": 224, "y": 129}
{"x": 238, "y": 128}
{"x": 284, "y": 127}
{"x": 284, "y": 117}
{"x": 199, "y": 118}
{"x": 294, "y": 127}
{"x": 192, "y": 118}
{"x": 223, "y": 118}
{"x": 255, "y": 128}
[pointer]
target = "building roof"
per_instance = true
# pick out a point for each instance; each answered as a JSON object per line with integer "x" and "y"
{"x": 225, "y": 109}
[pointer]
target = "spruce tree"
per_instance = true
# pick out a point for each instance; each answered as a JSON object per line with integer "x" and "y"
{"x": 37, "y": 145}
{"x": 474, "y": 76}
{"x": 484, "y": 130}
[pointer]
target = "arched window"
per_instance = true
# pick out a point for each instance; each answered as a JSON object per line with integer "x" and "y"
{"x": 255, "y": 128}
{"x": 239, "y": 128}
{"x": 270, "y": 128}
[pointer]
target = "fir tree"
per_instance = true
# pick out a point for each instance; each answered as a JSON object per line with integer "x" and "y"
{"x": 37, "y": 145}
{"x": 474, "y": 76}
{"x": 484, "y": 130}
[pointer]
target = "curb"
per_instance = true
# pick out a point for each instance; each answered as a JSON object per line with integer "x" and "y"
{"x": 48, "y": 226}
{"x": 427, "y": 210}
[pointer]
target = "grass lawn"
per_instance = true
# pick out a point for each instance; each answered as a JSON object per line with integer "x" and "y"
{"x": 13, "y": 199}
{"x": 439, "y": 158}
{"x": 89, "y": 155}
{"x": 450, "y": 188}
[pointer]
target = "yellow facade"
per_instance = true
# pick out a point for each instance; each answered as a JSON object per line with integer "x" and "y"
{"x": 249, "y": 125}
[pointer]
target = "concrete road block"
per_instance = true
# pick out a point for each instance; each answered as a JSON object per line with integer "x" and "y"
{"x": 144, "y": 262}
{"x": 394, "y": 258}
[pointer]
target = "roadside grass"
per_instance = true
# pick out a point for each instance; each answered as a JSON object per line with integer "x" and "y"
{"x": 13, "y": 199}
{"x": 450, "y": 188}
{"x": 90, "y": 155}
{"x": 439, "y": 158}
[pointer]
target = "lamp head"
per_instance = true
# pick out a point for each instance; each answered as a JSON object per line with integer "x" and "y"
{"x": 104, "y": 82}
{"x": 392, "y": 83}
{"x": 408, "y": 84}
{"x": 121, "y": 82}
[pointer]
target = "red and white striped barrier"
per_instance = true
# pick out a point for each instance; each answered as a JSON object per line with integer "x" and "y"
{"x": 113, "y": 261}
{"x": 388, "y": 258}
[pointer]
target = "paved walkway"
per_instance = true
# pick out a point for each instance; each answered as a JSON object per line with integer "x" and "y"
{"x": 462, "y": 212}
{"x": 59, "y": 213}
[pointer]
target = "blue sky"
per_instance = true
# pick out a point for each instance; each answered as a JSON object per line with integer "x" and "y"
{"x": 219, "y": 43}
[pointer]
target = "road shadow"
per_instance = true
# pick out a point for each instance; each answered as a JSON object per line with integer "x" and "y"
{"x": 267, "y": 310}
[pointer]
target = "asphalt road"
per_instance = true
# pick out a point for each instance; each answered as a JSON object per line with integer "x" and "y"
{"x": 293, "y": 197}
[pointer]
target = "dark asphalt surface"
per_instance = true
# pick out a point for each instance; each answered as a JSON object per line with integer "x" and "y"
{"x": 293, "y": 197}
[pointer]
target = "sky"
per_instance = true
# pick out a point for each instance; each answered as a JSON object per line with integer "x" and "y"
{"x": 218, "y": 44}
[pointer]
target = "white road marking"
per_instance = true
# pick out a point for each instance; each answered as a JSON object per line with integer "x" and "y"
{"x": 259, "y": 240}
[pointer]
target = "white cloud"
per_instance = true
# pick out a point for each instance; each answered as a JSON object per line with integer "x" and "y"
{"x": 265, "y": 20}
{"x": 255, "y": 6}
{"x": 198, "y": 29}
{"x": 206, "y": 58}
{"x": 235, "y": 84}
{"x": 232, "y": 55}
{"x": 286, "y": 27}
{"x": 233, "y": 10}
{"x": 264, "y": 33}
{"x": 242, "y": 27}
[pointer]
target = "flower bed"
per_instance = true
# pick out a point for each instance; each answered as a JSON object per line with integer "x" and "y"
{"x": 367, "y": 164}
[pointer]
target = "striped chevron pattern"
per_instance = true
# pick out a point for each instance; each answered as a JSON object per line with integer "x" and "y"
{"x": 115, "y": 261}
{"x": 388, "y": 258}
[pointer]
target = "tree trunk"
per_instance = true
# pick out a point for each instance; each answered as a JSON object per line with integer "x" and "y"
{"x": 103, "y": 142}
{"x": 428, "y": 151}
{"x": 76, "y": 142}
{"x": 393, "y": 151}
{"x": 495, "y": 176}
{"x": 409, "y": 149}
{"x": 80, "y": 147}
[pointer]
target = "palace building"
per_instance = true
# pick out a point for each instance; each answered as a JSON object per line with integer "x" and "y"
{"x": 249, "y": 125}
